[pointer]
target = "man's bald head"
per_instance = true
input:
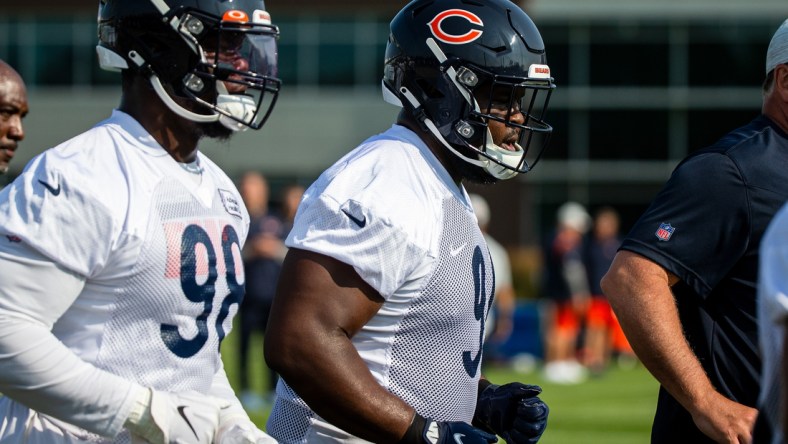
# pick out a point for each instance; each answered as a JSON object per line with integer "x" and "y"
{"x": 13, "y": 108}
{"x": 7, "y": 71}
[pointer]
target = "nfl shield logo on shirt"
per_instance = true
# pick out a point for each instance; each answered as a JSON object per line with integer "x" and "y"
{"x": 664, "y": 232}
{"x": 231, "y": 204}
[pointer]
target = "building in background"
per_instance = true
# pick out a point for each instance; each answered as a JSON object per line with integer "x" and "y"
{"x": 640, "y": 84}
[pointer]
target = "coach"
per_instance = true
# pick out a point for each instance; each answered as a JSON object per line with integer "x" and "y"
{"x": 13, "y": 108}
{"x": 683, "y": 283}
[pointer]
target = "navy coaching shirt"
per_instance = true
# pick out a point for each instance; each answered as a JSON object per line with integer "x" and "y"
{"x": 705, "y": 226}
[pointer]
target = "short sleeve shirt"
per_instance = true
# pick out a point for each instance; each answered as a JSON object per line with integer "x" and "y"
{"x": 160, "y": 254}
{"x": 705, "y": 226}
{"x": 390, "y": 210}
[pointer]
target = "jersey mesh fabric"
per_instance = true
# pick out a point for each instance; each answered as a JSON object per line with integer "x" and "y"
{"x": 180, "y": 280}
{"x": 290, "y": 416}
{"x": 436, "y": 352}
{"x": 420, "y": 247}
{"x": 159, "y": 255}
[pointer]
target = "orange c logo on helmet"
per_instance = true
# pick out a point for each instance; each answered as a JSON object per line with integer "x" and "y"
{"x": 235, "y": 15}
{"x": 468, "y": 37}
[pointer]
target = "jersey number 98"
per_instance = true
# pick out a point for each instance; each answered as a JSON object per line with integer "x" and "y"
{"x": 204, "y": 292}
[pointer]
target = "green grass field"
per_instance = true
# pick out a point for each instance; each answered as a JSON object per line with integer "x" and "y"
{"x": 615, "y": 408}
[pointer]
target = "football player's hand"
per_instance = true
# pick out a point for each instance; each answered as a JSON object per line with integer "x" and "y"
{"x": 513, "y": 411}
{"x": 174, "y": 418}
{"x": 428, "y": 431}
{"x": 235, "y": 428}
{"x": 242, "y": 433}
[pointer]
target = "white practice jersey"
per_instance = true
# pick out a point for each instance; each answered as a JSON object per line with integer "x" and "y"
{"x": 158, "y": 249}
{"x": 773, "y": 319}
{"x": 392, "y": 211}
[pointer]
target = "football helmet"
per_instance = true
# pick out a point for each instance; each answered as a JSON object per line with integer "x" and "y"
{"x": 456, "y": 65}
{"x": 218, "y": 57}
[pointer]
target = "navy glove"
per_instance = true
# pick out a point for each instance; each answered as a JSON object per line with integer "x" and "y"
{"x": 428, "y": 431}
{"x": 513, "y": 411}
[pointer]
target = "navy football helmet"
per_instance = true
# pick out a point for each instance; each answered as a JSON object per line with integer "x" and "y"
{"x": 219, "y": 56}
{"x": 456, "y": 65}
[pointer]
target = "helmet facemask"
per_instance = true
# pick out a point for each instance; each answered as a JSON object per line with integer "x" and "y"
{"x": 509, "y": 109}
{"x": 239, "y": 60}
{"x": 205, "y": 69}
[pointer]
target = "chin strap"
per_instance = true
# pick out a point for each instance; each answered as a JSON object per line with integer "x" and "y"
{"x": 434, "y": 129}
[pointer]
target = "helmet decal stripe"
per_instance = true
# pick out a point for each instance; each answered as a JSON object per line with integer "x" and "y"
{"x": 539, "y": 71}
{"x": 161, "y": 6}
{"x": 235, "y": 15}
{"x": 261, "y": 17}
{"x": 468, "y": 37}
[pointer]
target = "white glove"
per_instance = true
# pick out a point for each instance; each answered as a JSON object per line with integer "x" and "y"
{"x": 174, "y": 418}
{"x": 236, "y": 428}
{"x": 242, "y": 432}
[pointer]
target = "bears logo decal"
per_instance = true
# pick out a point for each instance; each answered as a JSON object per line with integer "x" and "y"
{"x": 436, "y": 27}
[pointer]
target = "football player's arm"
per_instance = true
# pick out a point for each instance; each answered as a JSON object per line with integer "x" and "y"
{"x": 320, "y": 304}
{"x": 639, "y": 292}
{"x": 38, "y": 370}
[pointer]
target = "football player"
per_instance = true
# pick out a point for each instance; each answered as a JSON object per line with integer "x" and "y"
{"x": 120, "y": 248}
{"x": 378, "y": 323}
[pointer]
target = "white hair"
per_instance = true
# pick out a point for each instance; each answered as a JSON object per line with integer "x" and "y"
{"x": 574, "y": 215}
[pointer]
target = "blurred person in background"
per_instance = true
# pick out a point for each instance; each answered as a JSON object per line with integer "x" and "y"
{"x": 291, "y": 198}
{"x": 565, "y": 287}
{"x": 120, "y": 248}
{"x": 262, "y": 255}
{"x": 501, "y": 318}
{"x": 13, "y": 108}
{"x": 378, "y": 323}
{"x": 684, "y": 281}
{"x": 603, "y": 334}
